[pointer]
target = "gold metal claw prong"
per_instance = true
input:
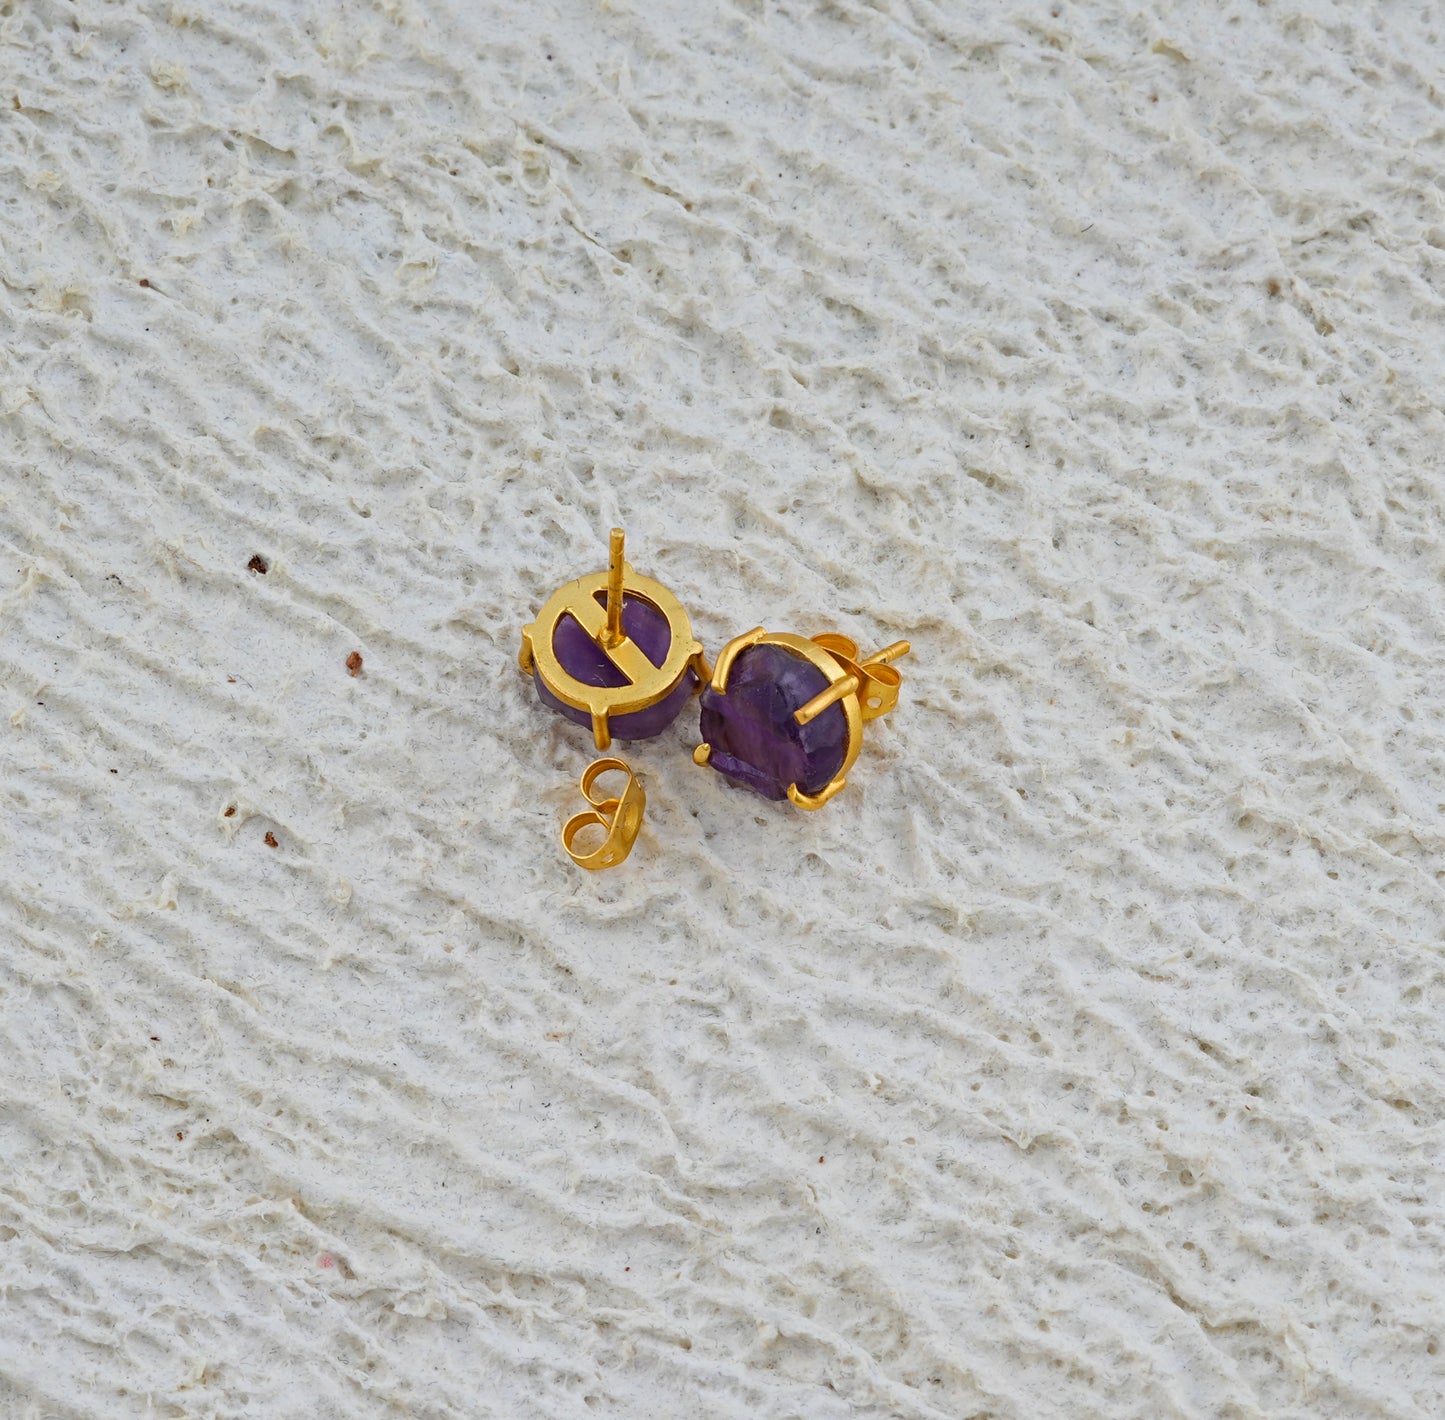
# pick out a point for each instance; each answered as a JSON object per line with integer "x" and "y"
{"x": 824, "y": 698}
{"x": 524, "y": 656}
{"x": 702, "y": 754}
{"x": 729, "y": 654}
{"x": 814, "y": 801}
{"x": 601, "y": 731}
{"x": 698, "y": 662}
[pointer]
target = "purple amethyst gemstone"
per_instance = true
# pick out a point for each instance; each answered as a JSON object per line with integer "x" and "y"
{"x": 583, "y": 659}
{"x": 755, "y": 740}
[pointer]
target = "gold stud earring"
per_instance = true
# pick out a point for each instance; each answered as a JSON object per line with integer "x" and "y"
{"x": 784, "y": 716}
{"x": 614, "y": 651}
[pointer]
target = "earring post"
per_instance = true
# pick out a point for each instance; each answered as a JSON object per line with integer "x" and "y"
{"x": 804, "y": 714}
{"x": 889, "y": 653}
{"x": 613, "y": 634}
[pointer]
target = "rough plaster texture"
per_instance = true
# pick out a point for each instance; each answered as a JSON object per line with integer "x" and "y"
{"x": 1083, "y": 1060}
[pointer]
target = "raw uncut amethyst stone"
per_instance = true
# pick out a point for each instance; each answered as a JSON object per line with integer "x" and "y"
{"x": 583, "y": 659}
{"x": 755, "y": 740}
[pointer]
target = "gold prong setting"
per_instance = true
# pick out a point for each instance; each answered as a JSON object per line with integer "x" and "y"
{"x": 812, "y": 802}
{"x": 729, "y": 653}
{"x": 862, "y": 689}
{"x": 597, "y": 609}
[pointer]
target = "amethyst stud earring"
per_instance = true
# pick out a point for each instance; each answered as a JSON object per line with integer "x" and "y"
{"x": 784, "y": 716}
{"x": 614, "y": 651}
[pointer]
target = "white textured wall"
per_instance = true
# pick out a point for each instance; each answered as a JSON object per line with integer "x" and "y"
{"x": 1083, "y": 1060}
